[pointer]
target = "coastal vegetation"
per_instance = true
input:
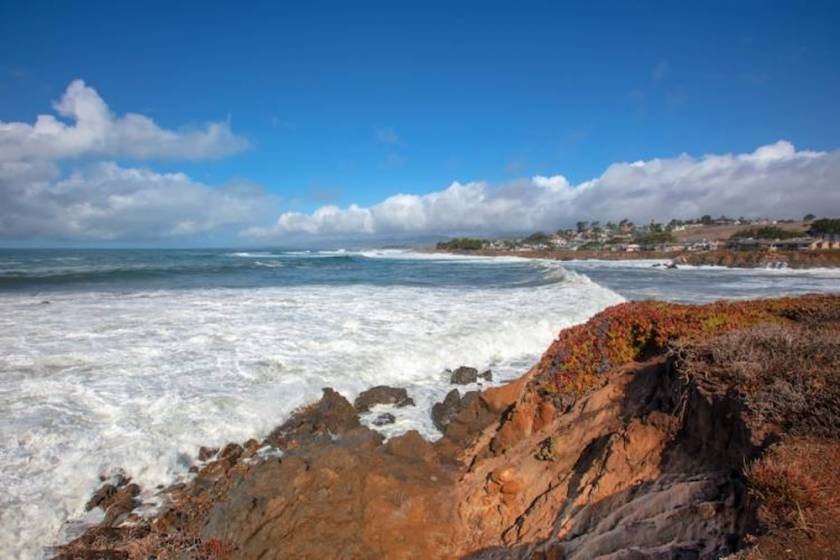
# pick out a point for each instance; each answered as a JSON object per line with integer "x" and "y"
{"x": 766, "y": 232}
{"x": 461, "y": 244}
{"x": 656, "y": 238}
{"x": 825, "y": 226}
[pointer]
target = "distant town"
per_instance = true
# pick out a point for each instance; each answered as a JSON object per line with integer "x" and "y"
{"x": 676, "y": 236}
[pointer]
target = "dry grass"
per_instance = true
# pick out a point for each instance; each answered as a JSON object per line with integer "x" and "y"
{"x": 789, "y": 375}
{"x": 797, "y": 483}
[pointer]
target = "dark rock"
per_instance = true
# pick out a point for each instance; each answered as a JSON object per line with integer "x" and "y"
{"x": 231, "y": 452}
{"x": 382, "y": 394}
{"x": 101, "y": 497}
{"x": 106, "y": 494}
{"x": 121, "y": 505}
{"x": 384, "y": 419}
{"x": 333, "y": 414}
{"x": 205, "y": 453}
{"x": 486, "y": 375}
{"x": 444, "y": 412}
{"x": 464, "y": 376}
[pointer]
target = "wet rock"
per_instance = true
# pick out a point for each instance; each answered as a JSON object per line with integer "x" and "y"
{"x": 206, "y": 453}
{"x": 444, "y": 412}
{"x": 332, "y": 415}
{"x": 121, "y": 505}
{"x": 382, "y": 394}
{"x": 101, "y": 497}
{"x": 464, "y": 376}
{"x": 231, "y": 452}
{"x": 106, "y": 494}
{"x": 384, "y": 419}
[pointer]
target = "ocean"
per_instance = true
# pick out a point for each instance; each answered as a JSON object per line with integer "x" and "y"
{"x": 132, "y": 359}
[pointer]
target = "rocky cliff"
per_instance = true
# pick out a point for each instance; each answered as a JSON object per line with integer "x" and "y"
{"x": 652, "y": 431}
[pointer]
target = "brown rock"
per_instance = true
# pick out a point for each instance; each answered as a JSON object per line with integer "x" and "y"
{"x": 206, "y": 453}
{"x": 232, "y": 452}
{"x": 382, "y": 394}
{"x": 333, "y": 414}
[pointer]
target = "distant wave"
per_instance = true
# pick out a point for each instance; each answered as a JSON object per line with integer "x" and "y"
{"x": 258, "y": 255}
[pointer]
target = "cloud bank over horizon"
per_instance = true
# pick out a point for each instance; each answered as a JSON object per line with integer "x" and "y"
{"x": 775, "y": 180}
{"x": 60, "y": 180}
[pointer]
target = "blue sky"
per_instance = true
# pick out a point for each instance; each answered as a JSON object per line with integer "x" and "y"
{"x": 350, "y": 103}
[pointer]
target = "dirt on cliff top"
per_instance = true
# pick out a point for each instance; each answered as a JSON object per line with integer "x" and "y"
{"x": 653, "y": 431}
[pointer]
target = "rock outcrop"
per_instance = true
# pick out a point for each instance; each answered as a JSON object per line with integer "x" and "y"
{"x": 382, "y": 394}
{"x": 653, "y": 431}
{"x": 465, "y": 375}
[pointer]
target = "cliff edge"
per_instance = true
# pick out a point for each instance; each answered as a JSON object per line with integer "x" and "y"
{"x": 652, "y": 431}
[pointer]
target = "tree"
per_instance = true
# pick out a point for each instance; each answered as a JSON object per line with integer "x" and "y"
{"x": 461, "y": 244}
{"x": 768, "y": 232}
{"x": 537, "y": 238}
{"x": 825, "y": 226}
{"x": 808, "y": 218}
{"x": 655, "y": 238}
{"x": 582, "y": 226}
{"x": 706, "y": 220}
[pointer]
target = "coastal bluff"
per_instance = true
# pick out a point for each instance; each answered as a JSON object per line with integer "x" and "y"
{"x": 652, "y": 431}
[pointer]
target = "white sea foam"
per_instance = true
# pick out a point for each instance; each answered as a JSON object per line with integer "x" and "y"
{"x": 95, "y": 382}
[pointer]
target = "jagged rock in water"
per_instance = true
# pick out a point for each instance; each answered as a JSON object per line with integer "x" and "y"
{"x": 382, "y": 394}
{"x": 384, "y": 419}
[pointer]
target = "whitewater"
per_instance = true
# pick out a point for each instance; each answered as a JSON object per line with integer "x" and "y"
{"x": 133, "y": 359}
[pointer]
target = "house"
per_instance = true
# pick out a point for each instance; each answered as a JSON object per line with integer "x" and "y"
{"x": 827, "y": 242}
{"x": 795, "y": 244}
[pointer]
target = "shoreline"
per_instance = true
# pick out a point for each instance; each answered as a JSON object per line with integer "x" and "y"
{"x": 726, "y": 258}
{"x": 489, "y": 486}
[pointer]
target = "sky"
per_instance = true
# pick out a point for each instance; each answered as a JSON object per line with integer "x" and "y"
{"x": 266, "y": 123}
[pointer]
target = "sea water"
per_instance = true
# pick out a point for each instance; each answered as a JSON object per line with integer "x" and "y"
{"x": 133, "y": 359}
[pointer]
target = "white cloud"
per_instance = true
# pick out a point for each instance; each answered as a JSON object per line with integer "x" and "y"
{"x": 105, "y": 201}
{"x": 102, "y": 200}
{"x": 775, "y": 181}
{"x": 96, "y": 131}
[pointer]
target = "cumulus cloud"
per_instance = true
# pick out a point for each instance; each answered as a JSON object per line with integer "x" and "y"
{"x": 775, "y": 180}
{"x": 96, "y": 131}
{"x": 104, "y": 201}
